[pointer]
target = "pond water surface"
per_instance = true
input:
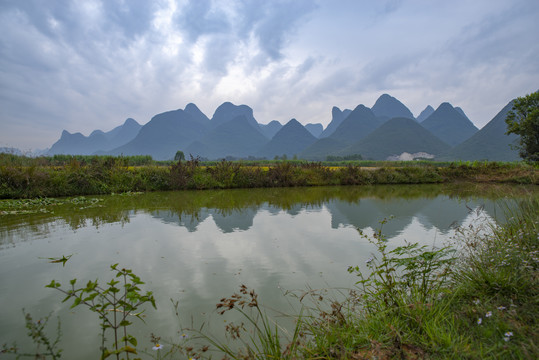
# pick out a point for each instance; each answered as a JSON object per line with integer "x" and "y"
{"x": 197, "y": 247}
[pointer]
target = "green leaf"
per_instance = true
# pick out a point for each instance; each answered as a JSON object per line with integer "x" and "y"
{"x": 91, "y": 297}
{"x": 72, "y": 282}
{"x": 76, "y": 302}
{"x": 106, "y": 354}
{"x": 125, "y": 323}
{"x": 127, "y": 349}
{"x": 91, "y": 285}
{"x": 131, "y": 339}
{"x": 53, "y": 284}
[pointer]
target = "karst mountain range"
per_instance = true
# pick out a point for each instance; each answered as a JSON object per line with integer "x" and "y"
{"x": 386, "y": 131}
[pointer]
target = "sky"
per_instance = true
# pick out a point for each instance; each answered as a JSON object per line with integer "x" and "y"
{"x": 90, "y": 64}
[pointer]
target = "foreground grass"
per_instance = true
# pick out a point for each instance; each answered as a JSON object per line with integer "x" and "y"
{"x": 485, "y": 305}
{"x": 475, "y": 299}
{"x": 417, "y": 303}
{"x": 31, "y": 178}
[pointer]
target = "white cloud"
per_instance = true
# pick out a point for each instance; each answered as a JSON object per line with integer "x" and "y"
{"x": 81, "y": 66}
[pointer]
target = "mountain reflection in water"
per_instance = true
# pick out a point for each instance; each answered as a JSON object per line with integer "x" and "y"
{"x": 198, "y": 246}
{"x": 434, "y": 206}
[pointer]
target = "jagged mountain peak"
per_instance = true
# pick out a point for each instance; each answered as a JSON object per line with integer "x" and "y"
{"x": 337, "y": 117}
{"x": 97, "y": 133}
{"x": 270, "y": 129}
{"x": 228, "y": 111}
{"x": 389, "y": 107}
{"x": 489, "y": 143}
{"x": 293, "y": 122}
{"x": 357, "y": 125}
{"x": 449, "y": 125}
{"x": 197, "y": 114}
{"x": 291, "y": 140}
{"x": 130, "y": 121}
{"x": 425, "y": 114}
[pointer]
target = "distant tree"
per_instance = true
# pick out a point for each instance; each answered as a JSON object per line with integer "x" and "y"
{"x": 523, "y": 120}
{"x": 284, "y": 157}
{"x": 179, "y": 156}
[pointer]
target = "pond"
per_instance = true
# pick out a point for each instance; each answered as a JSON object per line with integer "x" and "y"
{"x": 197, "y": 247}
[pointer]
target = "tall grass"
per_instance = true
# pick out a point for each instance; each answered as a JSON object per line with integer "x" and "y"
{"x": 474, "y": 301}
{"x": 481, "y": 304}
{"x": 63, "y": 175}
{"x": 478, "y": 299}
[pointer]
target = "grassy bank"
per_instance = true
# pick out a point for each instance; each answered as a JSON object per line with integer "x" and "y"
{"x": 479, "y": 303}
{"x": 477, "y": 300}
{"x": 474, "y": 299}
{"x": 22, "y": 177}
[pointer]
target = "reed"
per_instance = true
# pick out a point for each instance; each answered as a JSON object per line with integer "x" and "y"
{"x": 63, "y": 175}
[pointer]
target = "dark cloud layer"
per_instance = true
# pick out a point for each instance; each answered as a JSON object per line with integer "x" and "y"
{"x": 85, "y": 65}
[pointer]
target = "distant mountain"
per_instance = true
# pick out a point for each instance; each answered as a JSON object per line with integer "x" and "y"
{"x": 322, "y": 148}
{"x": 315, "y": 129}
{"x": 164, "y": 135}
{"x": 233, "y": 131}
{"x": 425, "y": 113}
{"x": 270, "y": 129}
{"x": 460, "y": 111}
{"x": 389, "y": 107}
{"x": 489, "y": 143}
{"x": 197, "y": 115}
{"x": 228, "y": 111}
{"x": 122, "y": 134}
{"x": 394, "y": 137}
{"x": 360, "y": 123}
{"x": 98, "y": 141}
{"x": 448, "y": 124}
{"x": 78, "y": 144}
{"x": 291, "y": 140}
{"x": 75, "y": 144}
{"x": 236, "y": 137}
{"x": 337, "y": 117}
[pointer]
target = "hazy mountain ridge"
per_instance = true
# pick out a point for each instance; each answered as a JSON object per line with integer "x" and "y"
{"x": 233, "y": 131}
{"x": 394, "y": 137}
{"x": 97, "y": 141}
{"x": 163, "y": 135}
{"x": 449, "y": 124}
{"x": 235, "y": 137}
{"x": 490, "y": 142}
{"x": 337, "y": 117}
{"x": 425, "y": 114}
{"x": 270, "y": 129}
{"x": 389, "y": 107}
{"x": 292, "y": 139}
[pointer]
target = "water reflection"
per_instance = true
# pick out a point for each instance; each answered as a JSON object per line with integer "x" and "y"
{"x": 433, "y": 206}
{"x": 197, "y": 247}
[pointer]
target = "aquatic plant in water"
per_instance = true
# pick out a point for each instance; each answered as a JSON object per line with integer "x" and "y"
{"x": 114, "y": 305}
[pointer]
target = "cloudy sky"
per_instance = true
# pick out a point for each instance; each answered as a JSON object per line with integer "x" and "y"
{"x": 90, "y": 64}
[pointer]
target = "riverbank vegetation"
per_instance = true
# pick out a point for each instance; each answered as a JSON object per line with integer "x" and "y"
{"x": 478, "y": 302}
{"x": 61, "y": 175}
{"x": 474, "y": 299}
